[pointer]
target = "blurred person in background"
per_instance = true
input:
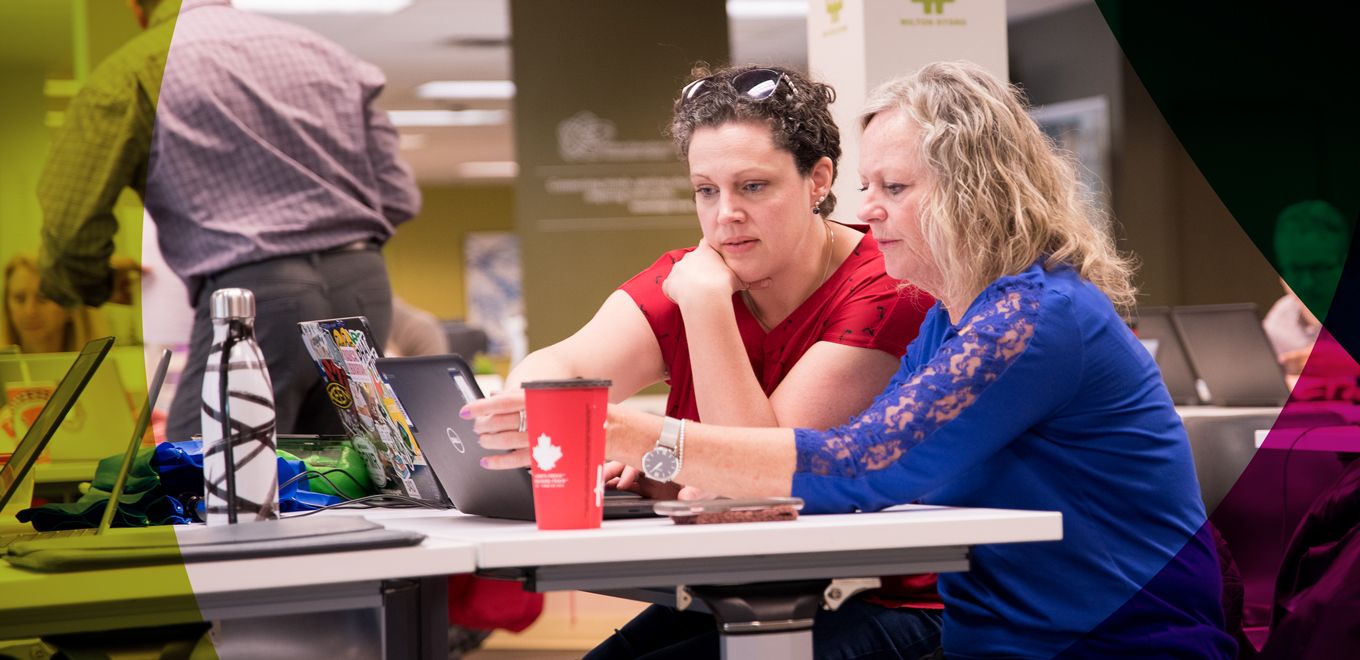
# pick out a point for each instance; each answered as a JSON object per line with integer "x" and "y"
{"x": 1312, "y": 239}
{"x": 35, "y": 323}
{"x": 415, "y": 332}
{"x": 267, "y": 167}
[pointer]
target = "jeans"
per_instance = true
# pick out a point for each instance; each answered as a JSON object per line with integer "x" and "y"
{"x": 858, "y": 630}
{"x": 287, "y": 290}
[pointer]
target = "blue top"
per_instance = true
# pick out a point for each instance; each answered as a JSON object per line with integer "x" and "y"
{"x": 1042, "y": 399}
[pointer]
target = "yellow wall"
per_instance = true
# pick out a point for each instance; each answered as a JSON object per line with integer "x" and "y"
{"x": 425, "y": 258}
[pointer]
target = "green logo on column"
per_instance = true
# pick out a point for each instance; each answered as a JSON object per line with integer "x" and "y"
{"x": 833, "y": 9}
{"x": 933, "y": 6}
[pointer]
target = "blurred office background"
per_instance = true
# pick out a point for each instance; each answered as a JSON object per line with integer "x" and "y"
{"x": 465, "y": 259}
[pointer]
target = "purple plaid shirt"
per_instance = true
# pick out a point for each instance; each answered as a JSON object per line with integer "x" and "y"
{"x": 265, "y": 143}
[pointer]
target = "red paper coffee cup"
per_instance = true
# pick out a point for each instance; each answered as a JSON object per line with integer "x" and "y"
{"x": 566, "y": 448}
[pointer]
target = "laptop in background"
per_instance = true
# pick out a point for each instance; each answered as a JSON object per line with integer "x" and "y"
{"x": 49, "y": 419}
{"x": 433, "y": 389}
{"x": 1229, "y": 351}
{"x": 1154, "y": 324}
{"x": 124, "y": 467}
{"x": 100, "y": 418}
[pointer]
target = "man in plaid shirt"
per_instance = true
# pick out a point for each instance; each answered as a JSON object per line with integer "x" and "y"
{"x": 258, "y": 151}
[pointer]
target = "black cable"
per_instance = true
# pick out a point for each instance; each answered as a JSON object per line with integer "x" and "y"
{"x": 224, "y": 408}
{"x": 322, "y": 475}
{"x": 1287, "y": 534}
{"x": 338, "y": 491}
{"x": 377, "y": 502}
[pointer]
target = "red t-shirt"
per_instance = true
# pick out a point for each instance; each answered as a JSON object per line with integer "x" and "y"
{"x": 858, "y": 305}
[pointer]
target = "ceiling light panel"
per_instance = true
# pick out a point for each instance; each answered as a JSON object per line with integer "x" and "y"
{"x": 322, "y": 6}
{"x": 467, "y": 90}
{"x": 444, "y": 118}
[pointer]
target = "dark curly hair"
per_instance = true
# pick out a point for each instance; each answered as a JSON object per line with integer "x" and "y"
{"x": 797, "y": 113}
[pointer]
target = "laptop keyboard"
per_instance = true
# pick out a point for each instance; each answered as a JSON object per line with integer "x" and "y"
{"x": 6, "y": 541}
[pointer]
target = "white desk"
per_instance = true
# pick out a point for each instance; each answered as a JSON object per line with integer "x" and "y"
{"x": 626, "y": 557}
{"x": 1254, "y": 492}
{"x": 1221, "y": 444}
{"x": 1200, "y": 412}
{"x": 1224, "y": 439}
{"x": 905, "y": 531}
{"x": 647, "y": 559}
{"x": 335, "y": 606}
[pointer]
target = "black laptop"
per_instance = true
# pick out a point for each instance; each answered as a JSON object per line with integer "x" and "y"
{"x": 1231, "y": 355}
{"x": 432, "y": 389}
{"x": 1155, "y": 325}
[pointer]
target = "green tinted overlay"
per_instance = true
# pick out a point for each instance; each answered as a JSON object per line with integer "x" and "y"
{"x": 1258, "y": 98}
{"x": 80, "y": 79}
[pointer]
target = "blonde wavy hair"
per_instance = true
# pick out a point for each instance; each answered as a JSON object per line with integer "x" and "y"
{"x": 1003, "y": 195}
{"x": 82, "y": 323}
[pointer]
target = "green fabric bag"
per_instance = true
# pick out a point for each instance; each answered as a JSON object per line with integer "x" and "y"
{"x": 143, "y": 503}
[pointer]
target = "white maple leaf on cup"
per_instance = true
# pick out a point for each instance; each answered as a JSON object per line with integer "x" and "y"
{"x": 546, "y": 454}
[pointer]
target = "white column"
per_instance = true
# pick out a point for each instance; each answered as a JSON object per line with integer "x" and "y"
{"x": 855, "y": 45}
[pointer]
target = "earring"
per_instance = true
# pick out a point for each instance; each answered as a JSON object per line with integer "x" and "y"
{"x": 817, "y": 208}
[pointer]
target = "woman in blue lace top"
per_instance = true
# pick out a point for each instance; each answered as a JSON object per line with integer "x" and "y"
{"x": 1024, "y": 390}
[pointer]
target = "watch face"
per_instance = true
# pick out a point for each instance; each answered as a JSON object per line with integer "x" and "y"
{"x": 660, "y": 464}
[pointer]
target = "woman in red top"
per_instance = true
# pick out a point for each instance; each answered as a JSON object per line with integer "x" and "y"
{"x": 779, "y": 315}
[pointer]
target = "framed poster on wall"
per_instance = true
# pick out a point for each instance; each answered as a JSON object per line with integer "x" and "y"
{"x": 1082, "y": 127}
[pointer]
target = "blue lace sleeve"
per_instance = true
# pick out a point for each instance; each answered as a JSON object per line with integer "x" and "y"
{"x": 861, "y": 465}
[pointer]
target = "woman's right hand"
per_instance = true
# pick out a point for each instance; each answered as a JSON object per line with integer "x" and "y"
{"x": 703, "y": 273}
{"x": 498, "y": 427}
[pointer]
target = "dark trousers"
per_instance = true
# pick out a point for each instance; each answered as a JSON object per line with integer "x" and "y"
{"x": 858, "y": 630}
{"x": 287, "y": 290}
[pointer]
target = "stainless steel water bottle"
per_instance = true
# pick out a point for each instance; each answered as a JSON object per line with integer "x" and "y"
{"x": 238, "y": 404}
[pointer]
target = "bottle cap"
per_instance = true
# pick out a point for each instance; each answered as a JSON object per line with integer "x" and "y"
{"x": 233, "y": 304}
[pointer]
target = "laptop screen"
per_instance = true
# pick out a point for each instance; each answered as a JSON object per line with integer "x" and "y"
{"x": 1230, "y": 352}
{"x": 1154, "y": 324}
{"x": 52, "y": 413}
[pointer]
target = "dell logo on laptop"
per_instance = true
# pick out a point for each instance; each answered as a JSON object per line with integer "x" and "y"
{"x": 455, "y": 440}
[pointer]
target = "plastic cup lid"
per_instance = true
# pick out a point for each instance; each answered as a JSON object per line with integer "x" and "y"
{"x": 569, "y": 383}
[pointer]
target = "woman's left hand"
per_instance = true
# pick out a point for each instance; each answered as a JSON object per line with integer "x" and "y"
{"x": 498, "y": 427}
{"x": 625, "y": 477}
{"x": 703, "y": 273}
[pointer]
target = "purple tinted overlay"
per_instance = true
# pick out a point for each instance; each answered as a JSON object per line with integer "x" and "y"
{"x": 1140, "y": 627}
{"x": 1287, "y": 532}
{"x": 1316, "y": 612}
{"x": 1291, "y": 522}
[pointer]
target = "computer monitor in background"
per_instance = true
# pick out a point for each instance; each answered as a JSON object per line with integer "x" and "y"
{"x": 1154, "y": 324}
{"x": 69, "y": 386}
{"x": 101, "y": 419}
{"x": 1231, "y": 354}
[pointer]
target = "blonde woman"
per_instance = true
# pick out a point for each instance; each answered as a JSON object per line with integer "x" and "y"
{"x": 1024, "y": 390}
{"x": 34, "y": 322}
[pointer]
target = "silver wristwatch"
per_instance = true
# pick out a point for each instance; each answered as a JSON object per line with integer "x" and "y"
{"x": 663, "y": 462}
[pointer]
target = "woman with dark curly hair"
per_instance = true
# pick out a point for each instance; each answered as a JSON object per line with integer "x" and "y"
{"x": 779, "y": 316}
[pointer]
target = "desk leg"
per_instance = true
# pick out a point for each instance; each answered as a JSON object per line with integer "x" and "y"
{"x": 764, "y": 620}
{"x": 416, "y": 618}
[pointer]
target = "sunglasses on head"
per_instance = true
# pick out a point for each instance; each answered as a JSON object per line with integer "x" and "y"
{"x": 756, "y": 84}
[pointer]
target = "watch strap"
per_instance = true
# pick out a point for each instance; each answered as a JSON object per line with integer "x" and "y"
{"x": 671, "y": 430}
